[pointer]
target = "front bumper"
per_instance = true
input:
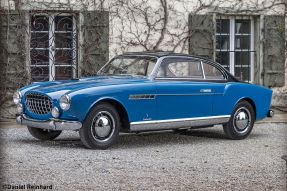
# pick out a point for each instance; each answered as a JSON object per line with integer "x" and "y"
{"x": 52, "y": 124}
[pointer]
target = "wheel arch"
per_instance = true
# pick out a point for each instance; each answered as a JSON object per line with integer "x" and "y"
{"x": 249, "y": 100}
{"x": 119, "y": 107}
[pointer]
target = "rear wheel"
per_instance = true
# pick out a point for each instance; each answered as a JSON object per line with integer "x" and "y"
{"x": 241, "y": 121}
{"x": 43, "y": 134}
{"x": 101, "y": 127}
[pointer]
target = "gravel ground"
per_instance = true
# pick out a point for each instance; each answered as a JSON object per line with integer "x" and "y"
{"x": 200, "y": 159}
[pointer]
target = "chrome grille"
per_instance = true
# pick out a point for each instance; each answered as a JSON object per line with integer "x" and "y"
{"x": 38, "y": 103}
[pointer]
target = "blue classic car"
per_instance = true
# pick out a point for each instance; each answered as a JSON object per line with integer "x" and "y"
{"x": 143, "y": 91}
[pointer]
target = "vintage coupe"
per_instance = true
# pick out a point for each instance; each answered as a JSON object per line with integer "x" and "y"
{"x": 143, "y": 91}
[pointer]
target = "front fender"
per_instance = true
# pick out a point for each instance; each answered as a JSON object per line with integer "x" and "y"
{"x": 82, "y": 101}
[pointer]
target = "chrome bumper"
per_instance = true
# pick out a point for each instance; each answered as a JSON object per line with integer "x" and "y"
{"x": 52, "y": 124}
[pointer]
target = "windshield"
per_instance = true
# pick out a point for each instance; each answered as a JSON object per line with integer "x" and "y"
{"x": 124, "y": 65}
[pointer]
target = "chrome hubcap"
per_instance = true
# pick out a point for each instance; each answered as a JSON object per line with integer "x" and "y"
{"x": 242, "y": 119}
{"x": 103, "y": 126}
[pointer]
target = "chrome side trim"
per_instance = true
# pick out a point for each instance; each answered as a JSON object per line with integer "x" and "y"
{"x": 206, "y": 90}
{"x": 153, "y": 96}
{"x": 141, "y": 96}
{"x": 190, "y": 94}
{"x": 178, "y": 123}
{"x": 52, "y": 124}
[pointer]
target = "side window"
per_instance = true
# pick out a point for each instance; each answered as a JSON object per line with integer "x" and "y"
{"x": 212, "y": 72}
{"x": 178, "y": 69}
{"x": 181, "y": 69}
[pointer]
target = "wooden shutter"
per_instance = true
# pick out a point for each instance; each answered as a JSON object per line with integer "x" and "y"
{"x": 202, "y": 31}
{"x": 95, "y": 45}
{"x": 14, "y": 49}
{"x": 274, "y": 51}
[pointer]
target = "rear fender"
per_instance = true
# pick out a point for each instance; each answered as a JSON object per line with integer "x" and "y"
{"x": 235, "y": 92}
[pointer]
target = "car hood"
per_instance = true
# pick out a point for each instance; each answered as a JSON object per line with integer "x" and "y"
{"x": 62, "y": 87}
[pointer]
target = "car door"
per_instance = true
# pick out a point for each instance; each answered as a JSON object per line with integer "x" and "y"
{"x": 181, "y": 89}
{"x": 218, "y": 82}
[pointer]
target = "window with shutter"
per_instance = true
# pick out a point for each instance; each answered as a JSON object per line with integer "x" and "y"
{"x": 53, "y": 46}
{"x": 235, "y": 46}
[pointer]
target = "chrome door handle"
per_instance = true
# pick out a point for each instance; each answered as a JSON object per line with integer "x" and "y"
{"x": 205, "y": 90}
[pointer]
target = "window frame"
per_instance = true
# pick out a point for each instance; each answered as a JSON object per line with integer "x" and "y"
{"x": 232, "y": 46}
{"x": 190, "y": 62}
{"x": 51, "y": 46}
{"x": 184, "y": 59}
{"x": 220, "y": 70}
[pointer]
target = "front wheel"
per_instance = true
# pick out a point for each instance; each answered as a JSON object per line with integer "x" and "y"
{"x": 241, "y": 121}
{"x": 43, "y": 134}
{"x": 101, "y": 127}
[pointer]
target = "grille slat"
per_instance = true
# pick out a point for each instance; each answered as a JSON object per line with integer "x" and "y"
{"x": 38, "y": 103}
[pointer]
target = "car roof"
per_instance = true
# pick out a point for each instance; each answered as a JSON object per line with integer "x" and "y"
{"x": 163, "y": 54}
{"x": 160, "y": 54}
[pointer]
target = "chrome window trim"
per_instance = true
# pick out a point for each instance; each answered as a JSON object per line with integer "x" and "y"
{"x": 203, "y": 72}
{"x": 220, "y": 70}
{"x": 178, "y": 123}
{"x": 199, "y": 79}
{"x": 160, "y": 60}
{"x": 156, "y": 68}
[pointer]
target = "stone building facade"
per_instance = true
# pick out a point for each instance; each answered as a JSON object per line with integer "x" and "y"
{"x": 43, "y": 40}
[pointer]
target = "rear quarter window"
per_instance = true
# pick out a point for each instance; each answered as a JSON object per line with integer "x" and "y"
{"x": 212, "y": 72}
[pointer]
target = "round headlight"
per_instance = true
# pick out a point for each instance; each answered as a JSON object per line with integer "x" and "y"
{"x": 55, "y": 112}
{"x": 20, "y": 108}
{"x": 17, "y": 97}
{"x": 65, "y": 102}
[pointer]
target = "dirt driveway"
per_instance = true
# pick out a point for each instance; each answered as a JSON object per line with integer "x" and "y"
{"x": 200, "y": 159}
